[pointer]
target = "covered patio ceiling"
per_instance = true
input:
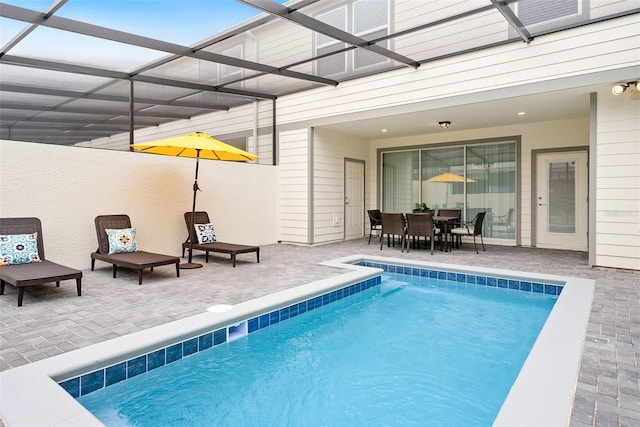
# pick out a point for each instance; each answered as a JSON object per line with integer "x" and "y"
{"x": 64, "y": 80}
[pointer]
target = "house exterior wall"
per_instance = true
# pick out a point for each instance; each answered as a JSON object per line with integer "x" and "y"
{"x": 67, "y": 187}
{"x": 504, "y": 69}
{"x": 330, "y": 151}
{"x": 295, "y": 197}
{"x": 237, "y": 122}
{"x": 617, "y": 181}
{"x": 533, "y": 136}
{"x": 595, "y": 54}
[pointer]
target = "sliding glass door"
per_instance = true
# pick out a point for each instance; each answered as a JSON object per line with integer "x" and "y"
{"x": 400, "y": 185}
{"x": 471, "y": 177}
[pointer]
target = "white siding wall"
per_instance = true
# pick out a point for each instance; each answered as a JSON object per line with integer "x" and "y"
{"x": 294, "y": 195}
{"x": 330, "y": 150}
{"x": 618, "y": 182}
{"x": 240, "y": 119}
{"x": 589, "y": 49}
{"x": 67, "y": 187}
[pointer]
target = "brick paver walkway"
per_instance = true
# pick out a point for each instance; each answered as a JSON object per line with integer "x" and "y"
{"x": 55, "y": 320}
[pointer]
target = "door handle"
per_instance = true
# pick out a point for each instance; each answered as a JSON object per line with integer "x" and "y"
{"x": 542, "y": 204}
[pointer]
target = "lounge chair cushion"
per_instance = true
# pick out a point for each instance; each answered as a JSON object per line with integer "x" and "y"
{"x": 122, "y": 240}
{"x": 19, "y": 249}
{"x": 205, "y": 233}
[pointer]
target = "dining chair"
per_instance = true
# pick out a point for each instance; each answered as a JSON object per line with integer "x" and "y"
{"x": 457, "y": 213}
{"x": 421, "y": 225}
{"x": 375, "y": 222}
{"x": 393, "y": 225}
{"x": 471, "y": 228}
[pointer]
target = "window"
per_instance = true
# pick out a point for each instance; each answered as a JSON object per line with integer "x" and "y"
{"x": 214, "y": 73}
{"x": 229, "y": 72}
{"x": 401, "y": 181}
{"x": 539, "y": 12}
{"x": 336, "y": 63}
{"x": 370, "y": 21}
{"x": 367, "y": 19}
{"x": 473, "y": 178}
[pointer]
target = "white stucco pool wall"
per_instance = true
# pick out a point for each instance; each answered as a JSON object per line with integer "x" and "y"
{"x": 541, "y": 395}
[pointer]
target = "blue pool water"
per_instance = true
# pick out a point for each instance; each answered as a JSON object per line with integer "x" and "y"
{"x": 412, "y": 351}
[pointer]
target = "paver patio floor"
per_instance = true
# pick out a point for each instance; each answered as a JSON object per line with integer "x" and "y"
{"x": 55, "y": 320}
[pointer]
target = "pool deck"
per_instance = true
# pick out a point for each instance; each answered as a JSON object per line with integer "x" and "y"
{"x": 55, "y": 320}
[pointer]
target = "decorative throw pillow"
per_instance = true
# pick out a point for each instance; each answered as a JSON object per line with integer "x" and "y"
{"x": 122, "y": 240}
{"x": 19, "y": 249}
{"x": 205, "y": 233}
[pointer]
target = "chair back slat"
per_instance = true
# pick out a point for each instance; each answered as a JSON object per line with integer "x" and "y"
{"x": 419, "y": 224}
{"x": 450, "y": 212}
{"x": 375, "y": 217}
{"x": 104, "y": 222}
{"x": 199, "y": 217}
{"x": 392, "y": 223}
{"x": 477, "y": 223}
{"x": 24, "y": 226}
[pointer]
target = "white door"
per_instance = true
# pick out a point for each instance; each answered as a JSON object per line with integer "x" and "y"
{"x": 353, "y": 199}
{"x": 561, "y": 201}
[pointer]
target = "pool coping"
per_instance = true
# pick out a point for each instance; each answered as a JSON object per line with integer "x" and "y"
{"x": 542, "y": 394}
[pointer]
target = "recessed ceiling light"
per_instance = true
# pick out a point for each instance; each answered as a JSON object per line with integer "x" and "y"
{"x": 522, "y": 113}
{"x": 383, "y": 130}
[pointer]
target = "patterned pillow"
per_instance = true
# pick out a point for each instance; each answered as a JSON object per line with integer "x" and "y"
{"x": 205, "y": 233}
{"x": 122, "y": 240}
{"x": 19, "y": 249}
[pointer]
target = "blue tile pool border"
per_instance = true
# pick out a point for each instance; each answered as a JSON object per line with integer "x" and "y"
{"x": 88, "y": 383}
{"x": 552, "y": 289}
{"x": 122, "y": 371}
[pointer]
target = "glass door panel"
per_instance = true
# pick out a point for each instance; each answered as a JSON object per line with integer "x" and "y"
{"x": 561, "y": 176}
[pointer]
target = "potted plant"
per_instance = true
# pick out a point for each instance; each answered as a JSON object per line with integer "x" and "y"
{"x": 420, "y": 207}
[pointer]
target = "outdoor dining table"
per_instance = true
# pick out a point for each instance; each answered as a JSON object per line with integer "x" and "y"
{"x": 446, "y": 222}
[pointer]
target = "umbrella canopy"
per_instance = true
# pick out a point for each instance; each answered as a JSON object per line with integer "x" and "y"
{"x": 449, "y": 177}
{"x": 195, "y": 144}
{"x": 201, "y": 146}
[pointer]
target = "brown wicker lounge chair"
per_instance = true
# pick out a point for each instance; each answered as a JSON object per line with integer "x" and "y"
{"x": 23, "y": 275}
{"x": 232, "y": 249}
{"x": 138, "y": 260}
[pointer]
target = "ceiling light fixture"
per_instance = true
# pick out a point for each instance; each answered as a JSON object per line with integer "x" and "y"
{"x": 620, "y": 88}
{"x": 445, "y": 124}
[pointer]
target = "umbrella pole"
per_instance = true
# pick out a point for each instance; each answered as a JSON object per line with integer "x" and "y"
{"x": 190, "y": 264}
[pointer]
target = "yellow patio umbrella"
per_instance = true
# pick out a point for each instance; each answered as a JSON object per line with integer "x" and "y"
{"x": 449, "y": 177}
{"x": 201, "y": 146}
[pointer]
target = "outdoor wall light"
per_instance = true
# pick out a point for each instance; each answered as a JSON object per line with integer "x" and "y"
{"x": 620, "y": 88}
{"x": 445, "y": 125}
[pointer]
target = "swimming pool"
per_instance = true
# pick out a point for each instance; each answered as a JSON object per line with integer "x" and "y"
{"x": 547, "y": 379}
{"x": 407, "y": 350}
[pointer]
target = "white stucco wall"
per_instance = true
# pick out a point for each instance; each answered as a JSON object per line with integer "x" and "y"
{"x": 67, "y": 187}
